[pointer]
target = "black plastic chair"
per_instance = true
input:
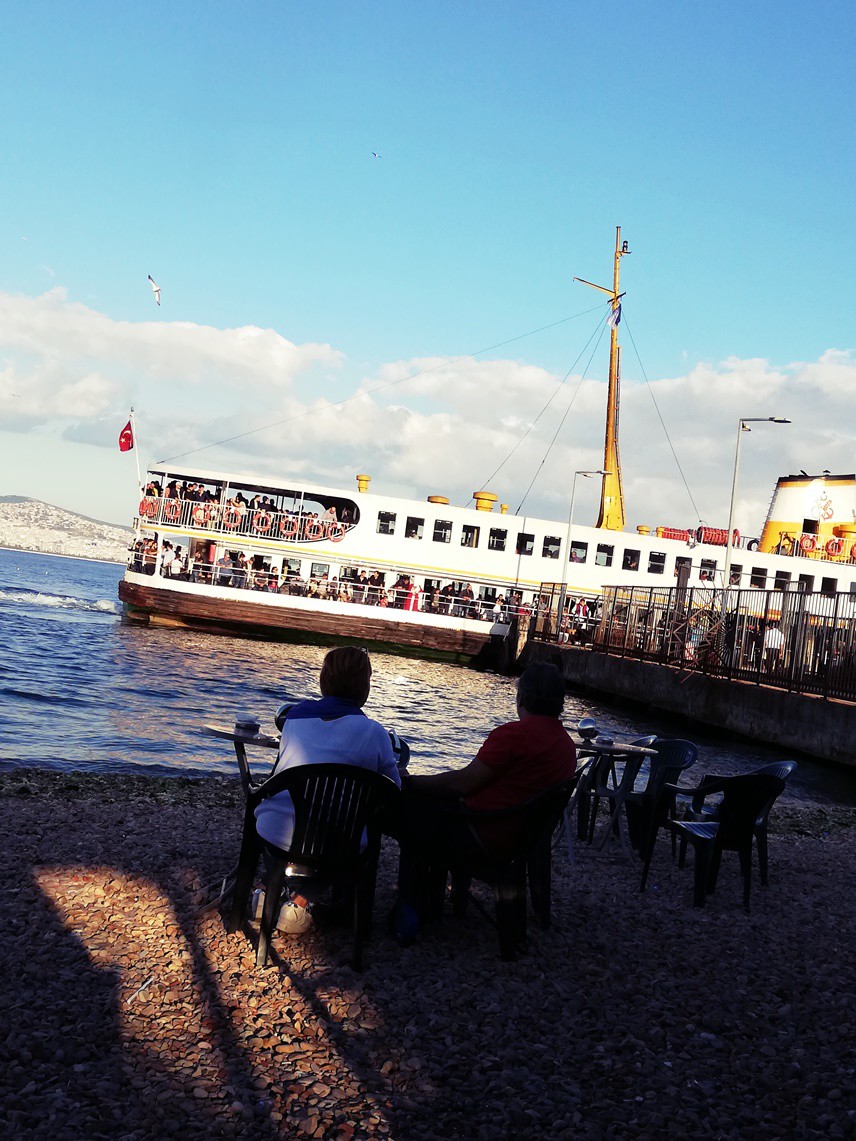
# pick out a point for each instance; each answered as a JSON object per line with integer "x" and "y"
{"x": 673, "y": 757}
{"x": 335, "y": 806}
{"x": 744, "y": 800}
{"x": 505, "y": 848}
{"x": 781, "y": 769}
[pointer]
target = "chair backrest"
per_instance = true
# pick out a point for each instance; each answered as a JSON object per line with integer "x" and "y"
{"x": 781, "y": 769}
{"x": 744, "y": 799}
{"x": 645, "y": 742}
{"x": 333, "y": 805}
{"x": 673, "y": 756}
{"x": 513, "y": 832}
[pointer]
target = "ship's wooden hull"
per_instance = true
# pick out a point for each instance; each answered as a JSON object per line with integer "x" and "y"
{"x": 238, "y": 612}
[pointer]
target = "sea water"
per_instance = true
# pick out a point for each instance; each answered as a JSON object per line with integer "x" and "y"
{"x": 79, "y": 689}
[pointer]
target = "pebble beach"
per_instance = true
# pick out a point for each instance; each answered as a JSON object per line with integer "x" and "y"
{"x": 128, "y": 1012}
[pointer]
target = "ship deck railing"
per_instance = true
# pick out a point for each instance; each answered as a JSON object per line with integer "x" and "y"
{"x": 518, "y": 604}
{"x": 234, "y": 521}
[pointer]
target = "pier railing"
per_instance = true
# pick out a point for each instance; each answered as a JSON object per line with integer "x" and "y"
{"x": 804, "y": 642}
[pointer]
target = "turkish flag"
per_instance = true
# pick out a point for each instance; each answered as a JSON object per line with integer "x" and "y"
{"x": 126, "y": 438}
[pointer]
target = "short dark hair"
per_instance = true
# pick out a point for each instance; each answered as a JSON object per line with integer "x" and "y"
{"x": 346, "y": 673}
{"x": 541, "y": 689}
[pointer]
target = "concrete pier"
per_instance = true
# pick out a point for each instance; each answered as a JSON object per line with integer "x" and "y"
{"x": 819, "y": 727}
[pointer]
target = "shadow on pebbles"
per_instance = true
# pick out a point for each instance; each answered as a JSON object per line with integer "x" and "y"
{"x": 128, "y": 1012}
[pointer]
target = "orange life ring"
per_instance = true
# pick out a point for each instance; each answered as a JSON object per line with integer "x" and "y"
{"x": 148, "y": 508}
{"x": 201, "y": 515}
{"x": 336, "y": 532}
{"x": 231, "y": 518}
{"x": 834, "y": 547}
{"x": 171, "y": 509}
{"x": 853, "y": 551}
{"x": 261, "y": 521}
{"x": 288, "y": 526}
{"x": 808, "y": 543}
{"x": 313, "y": 530}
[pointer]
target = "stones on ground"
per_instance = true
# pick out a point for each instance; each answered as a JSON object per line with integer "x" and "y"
{"x": 123, "y": 1012}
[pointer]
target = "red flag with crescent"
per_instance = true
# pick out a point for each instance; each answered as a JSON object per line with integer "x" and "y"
{"x": 126, "y": 438}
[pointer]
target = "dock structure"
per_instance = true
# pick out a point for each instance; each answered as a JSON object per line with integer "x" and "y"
{"x": 823, "y": 728}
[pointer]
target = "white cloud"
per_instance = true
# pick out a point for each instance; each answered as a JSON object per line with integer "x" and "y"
{"x": 444, "y": 431}
{"x": 53, "y": 345}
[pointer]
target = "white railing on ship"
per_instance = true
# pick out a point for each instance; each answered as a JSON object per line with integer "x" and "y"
{"x": 347, "y": 590}
{"x": 260, "y": 523}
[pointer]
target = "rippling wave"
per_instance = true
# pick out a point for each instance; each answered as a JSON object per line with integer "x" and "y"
{"x": 28, "y": 597}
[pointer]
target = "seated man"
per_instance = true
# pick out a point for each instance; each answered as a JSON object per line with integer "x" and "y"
{"x": 332, "y": 730}
{"x": 517, "y": 761}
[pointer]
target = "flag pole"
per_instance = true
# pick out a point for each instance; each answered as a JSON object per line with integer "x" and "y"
{"x": 136, "y": 450}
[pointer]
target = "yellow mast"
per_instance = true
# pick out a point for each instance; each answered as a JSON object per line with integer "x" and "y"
{"x": 611, "y": 516}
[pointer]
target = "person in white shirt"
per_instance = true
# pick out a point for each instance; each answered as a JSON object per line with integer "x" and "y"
{"x": 167, "y": 559}
{"x": 774, "y": 640}
{"x": 333, "y": 730}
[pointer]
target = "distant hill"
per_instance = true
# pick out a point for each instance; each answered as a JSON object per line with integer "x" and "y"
{"x": 31, "y": 525}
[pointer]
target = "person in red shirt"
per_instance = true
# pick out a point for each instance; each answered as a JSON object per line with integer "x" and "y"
{"x": 517, "y": 761}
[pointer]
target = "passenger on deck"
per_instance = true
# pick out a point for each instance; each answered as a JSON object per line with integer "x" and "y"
{"x": 176, "y": 568}
{"x": 166, "y": 558}
{"x": 224, "y": 570}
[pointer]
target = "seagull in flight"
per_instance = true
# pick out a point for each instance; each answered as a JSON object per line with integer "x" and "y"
{"x": 155, "y": 289}
{"x": 376, "y": 155}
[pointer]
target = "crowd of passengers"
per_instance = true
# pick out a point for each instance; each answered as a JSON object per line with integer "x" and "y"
{"x": 236, "y": 570}
{"x": 245, "y": 509}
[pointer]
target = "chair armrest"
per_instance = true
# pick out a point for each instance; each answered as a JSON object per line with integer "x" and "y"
{"x": 709, "y": 784}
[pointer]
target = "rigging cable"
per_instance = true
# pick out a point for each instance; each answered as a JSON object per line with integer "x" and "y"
{"x": 377, "y": 388}
{"x": 663, "y": 423}
{"x": 558, "y": 389}
{"x": 603, "y": 326}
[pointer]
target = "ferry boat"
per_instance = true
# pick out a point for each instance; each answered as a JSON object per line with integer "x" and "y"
{"x": 284, "y": 558}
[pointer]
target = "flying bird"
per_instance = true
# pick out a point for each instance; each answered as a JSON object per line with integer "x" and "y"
{"x": 376, "y": 155}
{"x": 155, "y": 289}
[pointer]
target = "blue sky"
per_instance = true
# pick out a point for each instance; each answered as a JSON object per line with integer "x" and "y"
{"x": 226, "y": 150}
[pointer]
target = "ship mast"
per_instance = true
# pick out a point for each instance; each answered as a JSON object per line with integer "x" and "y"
{"x": 611, "y": 515}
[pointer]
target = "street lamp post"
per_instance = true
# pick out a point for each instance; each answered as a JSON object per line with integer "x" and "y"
{"x": 567, "y": 555}
{"x": 742, "y": 426}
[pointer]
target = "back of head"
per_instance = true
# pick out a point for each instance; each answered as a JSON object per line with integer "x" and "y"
{"x": 346, "y": 673}
{"x": 541, "y": 689}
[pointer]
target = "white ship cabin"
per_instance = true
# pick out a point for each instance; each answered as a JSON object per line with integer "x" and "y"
{"x": 290, "y": 532}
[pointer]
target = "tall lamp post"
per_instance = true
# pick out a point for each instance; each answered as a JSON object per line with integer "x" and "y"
{"x": 567, "y": 555}
{"x": 742, "y": 426}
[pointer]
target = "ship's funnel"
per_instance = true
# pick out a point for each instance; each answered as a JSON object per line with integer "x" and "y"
{"x": 810, "y": 512}
{"x": 484, "y": 500}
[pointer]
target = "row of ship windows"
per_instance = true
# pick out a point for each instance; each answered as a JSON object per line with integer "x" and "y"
{"x": 497, "y": 540}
